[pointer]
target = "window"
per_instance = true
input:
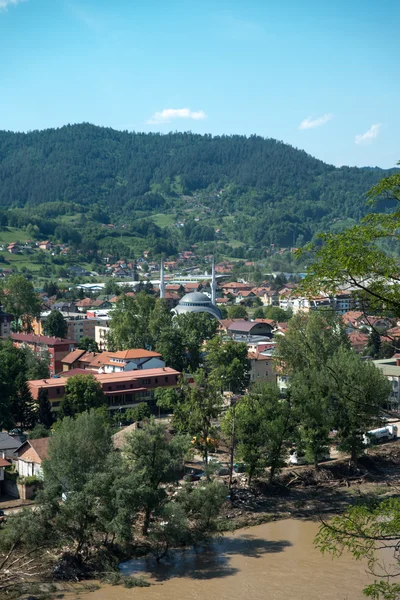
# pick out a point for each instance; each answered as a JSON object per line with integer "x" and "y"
{"x": 166, "y": 379}
{"x": 148, "y": 381}
{"x": 156, "y": 380}
{"x": 58, "y": 391}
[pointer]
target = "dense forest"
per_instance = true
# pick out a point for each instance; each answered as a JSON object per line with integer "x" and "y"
{"x": 68, "y": 182}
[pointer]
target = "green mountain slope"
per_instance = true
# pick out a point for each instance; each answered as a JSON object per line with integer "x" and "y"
{"x": 257, "y": 191}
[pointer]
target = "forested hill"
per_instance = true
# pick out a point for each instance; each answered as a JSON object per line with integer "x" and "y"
{"x": 280, "y": 192}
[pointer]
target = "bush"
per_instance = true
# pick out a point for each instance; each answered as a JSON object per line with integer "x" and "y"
{"x": 31, "y": 480}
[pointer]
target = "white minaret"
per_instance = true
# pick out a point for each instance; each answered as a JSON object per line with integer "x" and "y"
{"x": 213, "y": 284}
{"x": 162, "y": 282}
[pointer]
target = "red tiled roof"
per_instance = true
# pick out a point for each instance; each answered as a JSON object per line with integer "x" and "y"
{"x": 4, "y": 462}
{"x": 352, "y": 315}
{"x": 40, "y": 446}
{"x": 73, "y": 356}
{"x": 31, "y": 338}
{"x": 89, "y": 302}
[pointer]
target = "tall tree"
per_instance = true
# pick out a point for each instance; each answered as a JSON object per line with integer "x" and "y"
{"x": 196, "y": 329}
{"x": 83, "y": 471}
{"x": 359, "y": 255}
{"x": 44, "y": 414}
{"x": 309, "y": 393}
{"x": 88, "y": 344}
{"x": 129, "y": 326}
{"x": 310, "y": 340}
{"x": 237, "y": 312}
{"x": 22, "y": 406}
{"x": 196, "y": 410}
{"x": 55, "y": 325}
{"x": 18, "y": 297}
{"x": 260, "y": 423}
{"x": 359, "y": 392}
{"x": 228, "y": 364}
{"x": 155, "y": 461}
{"x": 82, "y": 392}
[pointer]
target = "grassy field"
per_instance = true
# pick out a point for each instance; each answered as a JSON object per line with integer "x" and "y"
{"x": 18, "y": 260}
{"x": 163, "y": 220}
{"x": 12, "y": 234}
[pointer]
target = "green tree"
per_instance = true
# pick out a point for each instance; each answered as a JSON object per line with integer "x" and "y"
{"x": 259, "y": 313}
{"x": 88, "y": 344}
{"x": 277, "y": 314}
{"x": 195, "y": 329}
{"x": 155, "y": 461}
{"x": 310, "y": 340}
{"x": 359, "y": 255}
{"x": 39, "y": 431}
{"x": 17, "y": 295}
{"x": 55, "y": 325}
{"x": 97, "y": 496}
{"x": 228, "y": 364}
{"x": 44, "y": 413}
{"x": 237, "y": 312}
{"x": 196, "y": 409}
{"x": 129, "y": 325}
{"x": 82, "y": 392}
{"x": 140, "y": 412}
{"x": 260, "y": 423}
{"x": 22, "y": 406}
{"x": 359, "y": 392}
{"x": 170, "y": 345}
{"x": 37, "y": 366}
{"x": 374, "y": 344}
{"x": 309, "y": 393}
{"x": 10, "y": 368}
{"x": 366, "y": 531}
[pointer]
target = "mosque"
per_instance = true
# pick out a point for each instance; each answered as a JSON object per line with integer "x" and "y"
{"x": 195, "y": 302}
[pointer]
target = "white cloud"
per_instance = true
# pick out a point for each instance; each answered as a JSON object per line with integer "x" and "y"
{"x": 4, "y": 4}
{"x": 168, "y": 114}
{"x": 368, "y": 136}
{"x": 310, "y": 123}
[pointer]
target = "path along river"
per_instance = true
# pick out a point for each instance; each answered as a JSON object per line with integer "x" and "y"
{"x": 275, "y": 561}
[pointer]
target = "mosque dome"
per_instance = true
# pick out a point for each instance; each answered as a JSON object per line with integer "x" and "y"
{"x": 196, "y": 302}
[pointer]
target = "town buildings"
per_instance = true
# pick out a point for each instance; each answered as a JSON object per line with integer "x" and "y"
{"x": 113, "y": 362}
{"x": 122, "y": 390}
{"x": 55, "y": 349}
{"x": 390, "y": 367}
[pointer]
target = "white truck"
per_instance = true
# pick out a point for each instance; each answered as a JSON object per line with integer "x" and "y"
{"x": 383, "y": 434}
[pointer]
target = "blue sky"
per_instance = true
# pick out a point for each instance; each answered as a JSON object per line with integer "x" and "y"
{"x": 322, "y": 76}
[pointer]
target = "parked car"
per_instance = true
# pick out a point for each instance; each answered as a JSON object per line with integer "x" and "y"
{"x": 193, "y": 476}
{"x": 239, "y": 467}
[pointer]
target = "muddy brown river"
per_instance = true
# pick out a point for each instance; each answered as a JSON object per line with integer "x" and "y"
{"x": 275, "y": 561}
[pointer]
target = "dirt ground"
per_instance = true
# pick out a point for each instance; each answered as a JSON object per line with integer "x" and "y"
{"x": 302, "y": 492}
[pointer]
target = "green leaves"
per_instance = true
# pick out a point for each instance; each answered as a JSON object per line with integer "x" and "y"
{"x": 82, "y": 392}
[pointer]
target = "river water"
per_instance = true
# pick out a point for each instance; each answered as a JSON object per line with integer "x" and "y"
{"x": 274, "y": 561}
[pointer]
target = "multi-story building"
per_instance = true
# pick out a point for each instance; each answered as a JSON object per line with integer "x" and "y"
{"x": 261, "y": 367}
{"x": 113, "y": 362}
{"x": 123, "y": 390}
{"x": 101, "y": 335}
{"x": 390, "y": 367}
{"x": 52, "y": 348}
{"x": 5, "y": 323}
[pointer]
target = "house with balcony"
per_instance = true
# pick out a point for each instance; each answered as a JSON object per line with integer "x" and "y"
{"x": 122, "y": 390}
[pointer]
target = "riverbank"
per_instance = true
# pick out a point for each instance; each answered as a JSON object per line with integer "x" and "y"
{"x": 300, "y": 495}
{"x": 301, "y": 492}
